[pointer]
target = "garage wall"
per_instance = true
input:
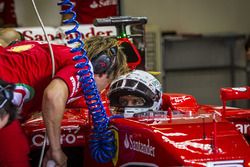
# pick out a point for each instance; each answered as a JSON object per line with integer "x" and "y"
{"x": 48, "y": 9}
{"x": 193, "y": 16}
{"x": 185, "y": 16}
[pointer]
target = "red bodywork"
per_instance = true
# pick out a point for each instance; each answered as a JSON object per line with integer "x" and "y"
{"x": 184, "y": 134}
{"x": 134, "y": 59}
{"x": 187, "y": 134}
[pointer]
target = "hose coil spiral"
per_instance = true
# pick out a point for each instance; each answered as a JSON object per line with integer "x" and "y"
{"x": 102, "y": 142}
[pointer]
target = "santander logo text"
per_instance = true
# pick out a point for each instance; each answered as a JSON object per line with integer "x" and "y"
{"x": 243, "y": 128}
{"x": 139, "y": 146}
{"x": 57, "y": 35}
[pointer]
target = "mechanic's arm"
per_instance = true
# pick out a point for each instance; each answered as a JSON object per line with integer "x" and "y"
{"x": 53, "y": 106}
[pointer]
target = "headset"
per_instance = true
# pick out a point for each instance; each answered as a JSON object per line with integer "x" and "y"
{"x": 6, "y": 106}
{"x": 103, "y": 62}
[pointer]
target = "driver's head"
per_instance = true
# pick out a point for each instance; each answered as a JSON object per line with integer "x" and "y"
{"x": 107, "y": 59}
{"x": 137, "y": 91}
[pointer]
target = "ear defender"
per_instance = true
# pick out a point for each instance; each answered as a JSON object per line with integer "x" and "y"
{"x": 6, "y": 106}
{"x": 6, "y": 90}
{"x": 102, "y": 62}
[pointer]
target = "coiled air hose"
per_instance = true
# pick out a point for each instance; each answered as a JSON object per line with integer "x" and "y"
{"x": 102, "y": 142}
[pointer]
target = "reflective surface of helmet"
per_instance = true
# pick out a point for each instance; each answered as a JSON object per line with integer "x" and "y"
{"x": 140, "y": 84}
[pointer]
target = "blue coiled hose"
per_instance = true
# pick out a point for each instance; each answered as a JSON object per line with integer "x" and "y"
{"x": 102, "y": 142}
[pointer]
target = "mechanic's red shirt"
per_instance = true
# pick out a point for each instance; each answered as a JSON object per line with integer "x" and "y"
{"x": 30, "y": 63}
{"x": 88, "y": 10}
{"x": 79, "y": 101}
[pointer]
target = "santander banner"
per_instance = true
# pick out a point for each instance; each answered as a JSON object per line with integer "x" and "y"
{"x": 57, "y": 36}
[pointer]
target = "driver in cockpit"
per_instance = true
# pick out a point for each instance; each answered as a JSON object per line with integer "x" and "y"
{"x": 135, "y": 92}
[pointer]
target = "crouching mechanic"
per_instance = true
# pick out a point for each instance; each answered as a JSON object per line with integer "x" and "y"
{"x": 135, "y": 92}
{"x": 29, "y": 64}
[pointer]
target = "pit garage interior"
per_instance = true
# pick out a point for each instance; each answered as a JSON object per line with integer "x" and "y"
{"x": 193, "y": 47}
{"x": 198, "y": 46}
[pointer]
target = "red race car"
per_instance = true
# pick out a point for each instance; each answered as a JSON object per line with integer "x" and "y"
{"x": 184, "y": 134}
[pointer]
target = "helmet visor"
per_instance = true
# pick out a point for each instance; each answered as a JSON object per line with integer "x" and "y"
{"x": 126, "y": 87}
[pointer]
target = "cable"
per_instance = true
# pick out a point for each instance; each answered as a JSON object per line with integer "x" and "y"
{"x": 47, "y": 39}
{"x": 52, "y": 74}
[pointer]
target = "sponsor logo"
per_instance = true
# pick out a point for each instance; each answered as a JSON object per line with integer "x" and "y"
{"x": 75, "y": 84}
{"x": 243, "y": 128}
{"x": 73, "y": 81}
{"x": 180, "y": 99}
{"x": 58, "y": 34}
{"x": 139, "y": 146}
{"x": 102, "y": 3}
{"x": 21, "y": 48}
{"x": 68, "y": 138}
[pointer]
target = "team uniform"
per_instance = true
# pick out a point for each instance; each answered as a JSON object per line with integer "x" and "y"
{"x": 29, "y": 63}
{"x": 79, "y": 101}
{"x": 19, "y": 64}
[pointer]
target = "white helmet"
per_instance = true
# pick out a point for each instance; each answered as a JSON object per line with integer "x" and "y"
{"x": 138, "y": 83}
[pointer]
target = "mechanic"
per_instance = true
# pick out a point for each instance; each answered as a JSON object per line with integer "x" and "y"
{"x": 29, "y": 63}
{"x": 135, "y": 92}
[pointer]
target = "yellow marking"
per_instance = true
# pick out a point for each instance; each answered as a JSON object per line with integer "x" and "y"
{"x": 21, "y": 48}
{"x": 115, "y": 159}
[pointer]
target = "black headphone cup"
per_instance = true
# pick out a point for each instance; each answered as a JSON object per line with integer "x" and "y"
{"x": 7, "y": 91}
{"x": 102, "y": 63}
{"x": 8, "y": 94}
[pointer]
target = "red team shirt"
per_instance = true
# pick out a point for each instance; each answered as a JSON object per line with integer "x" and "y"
{"x": 88, "y": 10}
{"x": 22, "y": 68}
{"x": 18, "y": 66}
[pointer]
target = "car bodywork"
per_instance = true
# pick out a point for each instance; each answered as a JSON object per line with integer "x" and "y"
{"x": 183, "y": 133}
{"x": 186, "y": 134}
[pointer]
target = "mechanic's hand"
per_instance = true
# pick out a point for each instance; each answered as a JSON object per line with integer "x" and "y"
{"x": 58, "y": 156}
{"x": 4, "y": 120}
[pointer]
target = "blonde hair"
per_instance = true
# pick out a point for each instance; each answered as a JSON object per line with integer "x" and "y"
{"x": 9, "y": 35}
{"x": 96, "y": 44}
